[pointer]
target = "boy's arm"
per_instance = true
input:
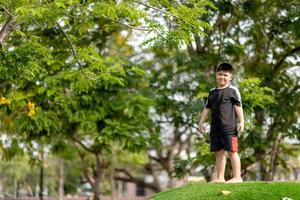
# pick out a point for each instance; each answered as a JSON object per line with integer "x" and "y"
{"x": 240, "y": 114}
{"x": 204, "y": 116}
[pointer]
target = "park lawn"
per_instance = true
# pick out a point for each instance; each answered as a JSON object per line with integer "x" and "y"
{"x": 239, "y": 191}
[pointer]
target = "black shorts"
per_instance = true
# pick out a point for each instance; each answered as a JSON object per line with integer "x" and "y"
{"x": 226, "y": 142}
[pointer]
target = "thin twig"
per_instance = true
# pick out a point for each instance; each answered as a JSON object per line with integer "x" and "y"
{"x": 73, "y": 51}
{"x": 117, "y": 21}
{"x": 158, "y": 33}
{"x": 165, "y": 12}
{"x": 128, "y": 25}
{"x": 7, "y": 11}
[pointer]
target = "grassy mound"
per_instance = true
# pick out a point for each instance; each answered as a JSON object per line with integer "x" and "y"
{"x": 238, "y": 191}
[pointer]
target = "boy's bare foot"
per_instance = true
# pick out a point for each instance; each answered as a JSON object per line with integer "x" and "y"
{"x": 234, "y": 180}
{"x": 218, "y": 181}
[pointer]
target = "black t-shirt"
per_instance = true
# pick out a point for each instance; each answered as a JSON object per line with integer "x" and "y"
{"x": 223, "y": 116}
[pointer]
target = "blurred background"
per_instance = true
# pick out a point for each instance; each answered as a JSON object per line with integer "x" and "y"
{"x": 101, "y": 99}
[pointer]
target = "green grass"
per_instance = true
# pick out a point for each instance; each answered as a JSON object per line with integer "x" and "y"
{"x": 239, "y": 191}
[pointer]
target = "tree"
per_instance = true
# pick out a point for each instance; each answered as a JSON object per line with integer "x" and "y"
{"x": 61, "y": 80}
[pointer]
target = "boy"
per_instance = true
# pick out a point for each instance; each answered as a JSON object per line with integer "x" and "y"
{"x": 225, "y": 105}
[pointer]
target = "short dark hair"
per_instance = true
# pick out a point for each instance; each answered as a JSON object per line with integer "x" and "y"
{"x": 225, "y": 67}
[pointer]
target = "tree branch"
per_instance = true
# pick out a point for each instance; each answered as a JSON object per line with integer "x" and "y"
{"x": 73, "y": 51}
{"x": 85, "y": 169}
{"x": 165, "y": 12}
{"x": 6, "y": 11}
{"x": 125, "y": 171}
{"x": 283, "y": 57}
{"x": 6, "y": 30}
{"x": 83, "y": 145}
{"x": 154, "y": 158}
{"x": 128, "y": 25}
{"x": 132, "y": 179}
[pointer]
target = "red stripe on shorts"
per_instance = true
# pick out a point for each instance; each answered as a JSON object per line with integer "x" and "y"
{"x": 234, "y": 144}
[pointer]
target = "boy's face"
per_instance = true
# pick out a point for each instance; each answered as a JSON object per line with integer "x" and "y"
{"x": 223, "y": 78}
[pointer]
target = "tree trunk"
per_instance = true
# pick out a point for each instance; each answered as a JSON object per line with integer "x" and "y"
{"x": 61, "y": 180}
{"x": 29, "y": 190}
{"x": 274, "y": 153}
{"x": 149, "y": 167}
{"x": 36, "y": 192}
{"x": 15, "y": 187}
{"x": 97, "y": 174}
{"x": 112, "y": 177}
{"x": 41, "y": 182}
{"x": 263, "y": 171}
{"x": 113, "y": 185}
{"x": 1, "y": 183}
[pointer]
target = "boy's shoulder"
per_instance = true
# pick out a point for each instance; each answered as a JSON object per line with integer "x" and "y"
{"x": 212, "y": 89}
{"x": 234, "y": 88}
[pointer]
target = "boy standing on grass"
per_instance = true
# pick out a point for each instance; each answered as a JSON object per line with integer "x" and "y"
{"x": 225, "y": 105}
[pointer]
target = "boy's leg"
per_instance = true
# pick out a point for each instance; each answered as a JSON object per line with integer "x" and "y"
{"x": 216, "y": 147}
{"x": 236, "y": 168}
{"x": 230, "y": 144}
{"x": 220, "y": 165}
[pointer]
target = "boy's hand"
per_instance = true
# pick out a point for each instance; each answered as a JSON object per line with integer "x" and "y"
{"x": 241, "y": 127}
{"x": 201, "y": 128}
